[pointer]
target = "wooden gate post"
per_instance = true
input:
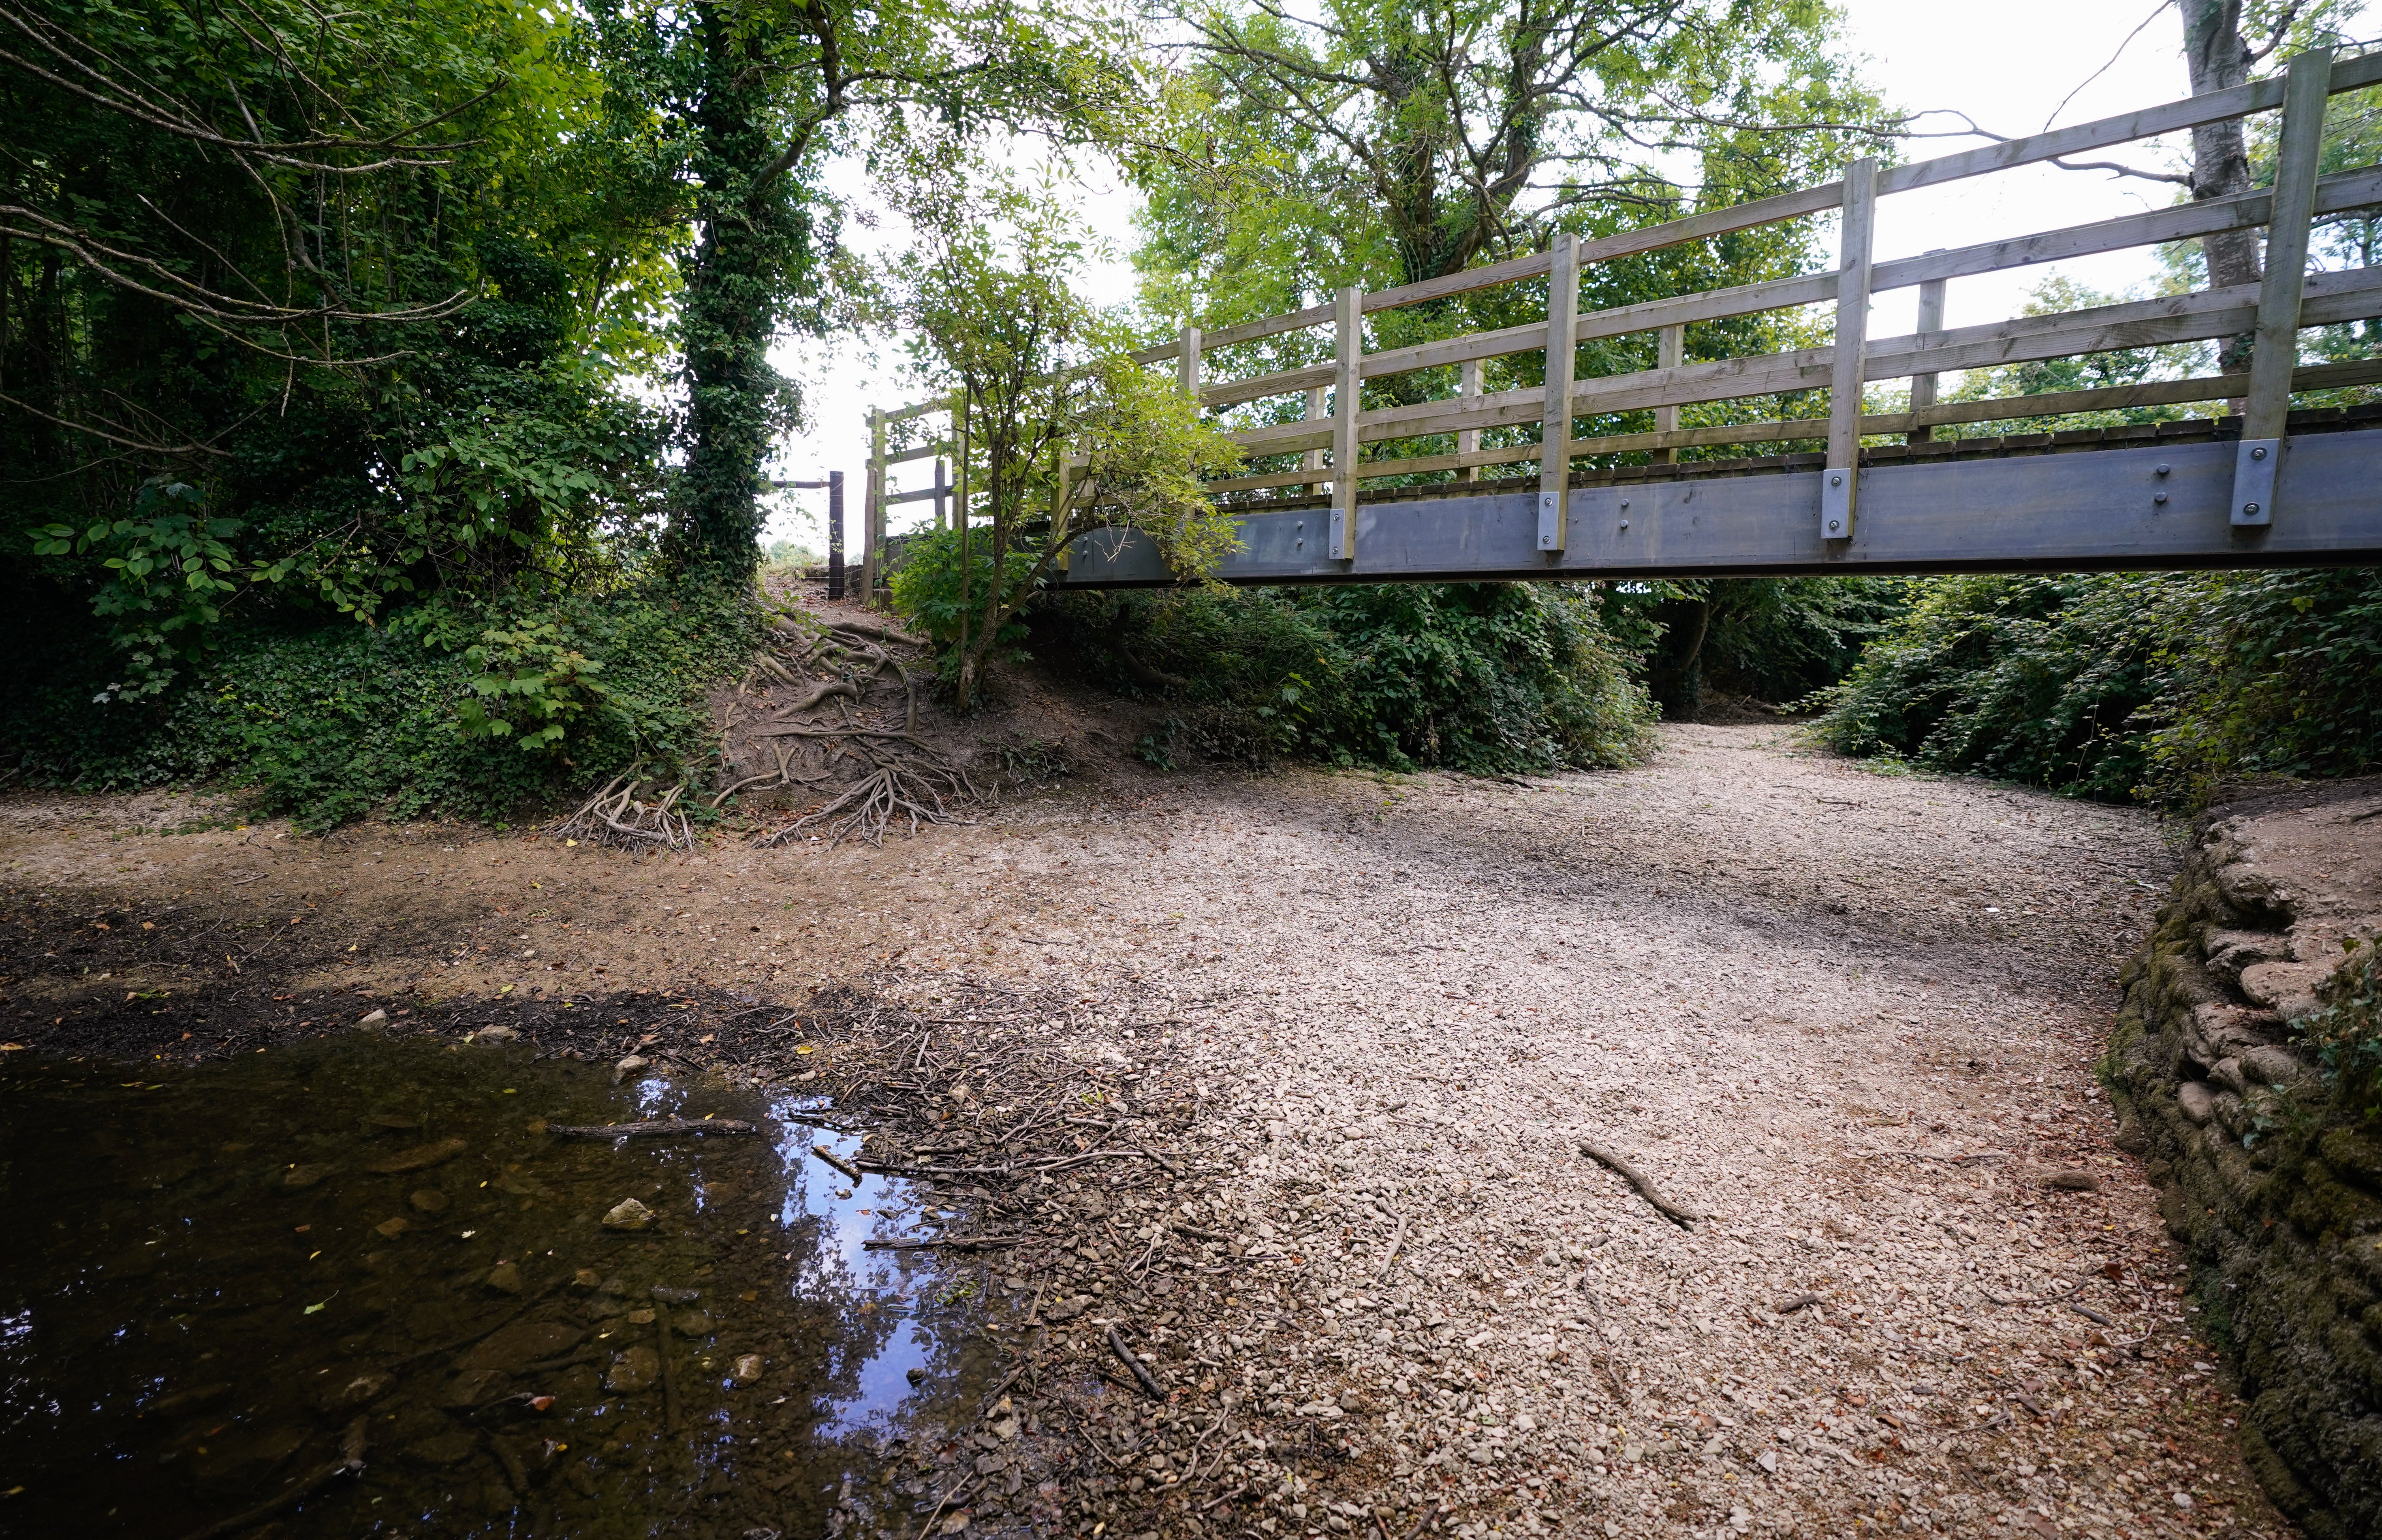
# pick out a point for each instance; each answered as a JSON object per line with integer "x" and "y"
{"x": 1347, "y": 355}
{"x": 1187, "y": 366}
{"x": 872, "y": 512}
{"x": 2275, "y": 348}
{"x": 1840, "y": 478}
{"x": 1555, "y": 425}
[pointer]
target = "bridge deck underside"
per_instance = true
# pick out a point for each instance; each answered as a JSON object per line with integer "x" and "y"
{"x": 2134, "y": 497}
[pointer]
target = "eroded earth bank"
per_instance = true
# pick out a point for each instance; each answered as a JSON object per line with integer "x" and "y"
{"x": 1261, "y": 1105}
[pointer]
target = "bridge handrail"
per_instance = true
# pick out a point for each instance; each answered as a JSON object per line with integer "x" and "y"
{"x": 2282, "y": 301}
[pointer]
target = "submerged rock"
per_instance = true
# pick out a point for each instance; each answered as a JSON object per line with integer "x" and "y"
{"x": 418, "y": 1157}
{"x": 629, "y": 1214}
{"x": 747, "y": 1369}
{"x": 633, "y": 1371}
{"x": 306, "y": 1176}
{"x": 429, "y": 1200}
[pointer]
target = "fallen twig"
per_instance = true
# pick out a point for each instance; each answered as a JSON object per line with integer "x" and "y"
{"x": 1684, "y": 1218}
{"x": 1141, "y": 1370}
{"x": 660, "y": 1127}
{"x": 837, "y": 1161}
{"x": 1391, "y": 1256}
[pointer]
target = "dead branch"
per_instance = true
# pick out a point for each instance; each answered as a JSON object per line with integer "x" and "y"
{"x": 1684, "y": 1218}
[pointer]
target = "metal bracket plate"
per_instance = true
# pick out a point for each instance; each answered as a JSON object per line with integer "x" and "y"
{"x": 1550, "y": 529}
{"x": 2254, "y": 463}
{"x": 1339, "y": 535}
{"x": 1836, "y": 485}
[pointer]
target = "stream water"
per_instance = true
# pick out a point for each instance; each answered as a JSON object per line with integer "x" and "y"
{"x": 210, "y": 1279}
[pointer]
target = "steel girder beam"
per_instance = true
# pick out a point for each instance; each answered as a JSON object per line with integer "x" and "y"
{"x": 2165, "y": 506}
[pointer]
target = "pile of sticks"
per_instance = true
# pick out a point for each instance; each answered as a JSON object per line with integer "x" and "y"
{"x": 618, "y": 816}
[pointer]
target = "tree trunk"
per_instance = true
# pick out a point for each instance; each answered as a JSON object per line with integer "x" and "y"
{"x": 751, "y": 240}
{"x": 2218, "y": 60}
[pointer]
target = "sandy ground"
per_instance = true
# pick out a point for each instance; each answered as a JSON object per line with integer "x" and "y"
{"x": 1847, "y": 1019}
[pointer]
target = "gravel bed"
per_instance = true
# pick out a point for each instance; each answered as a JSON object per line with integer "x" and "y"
{"x": 1848, "y": 1018}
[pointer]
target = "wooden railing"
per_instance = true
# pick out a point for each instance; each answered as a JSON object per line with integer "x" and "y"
{"x": 2271, "y": 311}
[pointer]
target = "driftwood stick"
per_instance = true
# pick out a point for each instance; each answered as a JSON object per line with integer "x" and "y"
{"x": 660, "y": 1127}
{"x": 350, "y": 1463}
{"x": 1141, "y": 1370}
{"x": 1684, "y": 1218}
{"x": 847, "y": 1168}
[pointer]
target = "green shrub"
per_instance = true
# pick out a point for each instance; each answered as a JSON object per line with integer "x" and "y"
{"x": 453, "y": 708}
{"x": 927, "y": 588}
{"x": 1485, "y": 677}
{"x": 2159, "y": 687}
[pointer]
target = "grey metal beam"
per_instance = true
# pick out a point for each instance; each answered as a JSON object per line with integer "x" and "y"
{"x": 2165, "y": 506}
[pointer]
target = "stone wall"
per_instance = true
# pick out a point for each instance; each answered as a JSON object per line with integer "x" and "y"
{"x": 2269, "y": 1161}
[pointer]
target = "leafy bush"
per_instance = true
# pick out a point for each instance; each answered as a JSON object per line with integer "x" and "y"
{"x": 454, "y": 708}
{"x": 926, "y": 587}
{"x": 1486, "y": 678}
{"x": 2161, "y": 687}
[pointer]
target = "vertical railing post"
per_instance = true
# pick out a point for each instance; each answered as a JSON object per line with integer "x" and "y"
{"x": 1313, "y": 458}
{"x": 1467, "y": 440}
{"x": 941, "y": 488}
{"x": 872, "y": 514}
{"x": 1187, "y": 366}
{"x": 835, "y": 534}
{"x": 1840, "y": 477}
{"x": 2275, "y": 348}
{"x": 1555, "y": 426}
{"x": 1923, "y": 386}
{"x": 1670, "y": 352}
{"x": 1347, "y": 355}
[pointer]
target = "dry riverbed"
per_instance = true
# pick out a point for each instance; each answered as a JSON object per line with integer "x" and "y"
{"x": 1363, "y": 1028}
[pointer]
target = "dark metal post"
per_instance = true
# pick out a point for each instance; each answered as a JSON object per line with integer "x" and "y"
{"x": 835, "y": 534}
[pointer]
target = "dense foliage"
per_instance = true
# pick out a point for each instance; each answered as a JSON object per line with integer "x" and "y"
{"x": 459, "y": 709}
{"x": 383, "y": 393}
{"x": 1487, "y": 678}
{"x": 2163, "y": 687}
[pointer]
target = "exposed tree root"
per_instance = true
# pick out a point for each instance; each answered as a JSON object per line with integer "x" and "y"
{"x": 919, "y": 786}
{"x": 616, "y": 816}
{"x": 902, "y": 779}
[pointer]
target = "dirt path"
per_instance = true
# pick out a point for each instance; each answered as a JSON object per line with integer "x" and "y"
{"x": 1848, "y": 1018}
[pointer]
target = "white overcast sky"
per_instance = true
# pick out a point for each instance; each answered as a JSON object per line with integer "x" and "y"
{"x": 2002, "y": 68}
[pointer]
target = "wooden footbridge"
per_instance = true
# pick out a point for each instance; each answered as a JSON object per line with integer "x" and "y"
{"x": 2266, "y": 487}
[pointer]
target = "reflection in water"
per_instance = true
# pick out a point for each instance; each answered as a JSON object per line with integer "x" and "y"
{"x": 212, "y": 1277}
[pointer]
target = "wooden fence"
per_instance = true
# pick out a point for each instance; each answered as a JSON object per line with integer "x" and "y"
{"x": 1335, "y": 426}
